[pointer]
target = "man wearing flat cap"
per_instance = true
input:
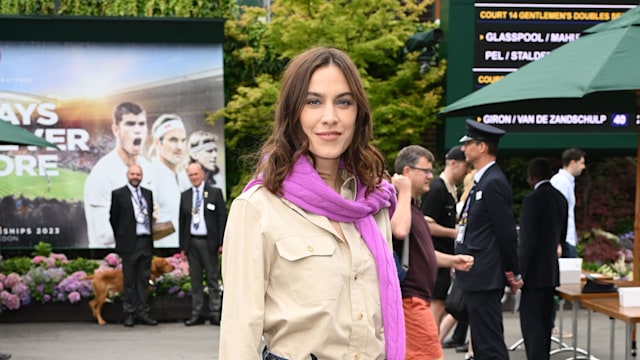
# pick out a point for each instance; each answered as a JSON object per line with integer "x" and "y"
{"x": 488, "y": 232}
{"x": 439, "y": 207}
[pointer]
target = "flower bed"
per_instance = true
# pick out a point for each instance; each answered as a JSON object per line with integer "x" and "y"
{"x": 162, "y": 308}
{"x": 49, "y": 287}
{"x": 608, "y": 254}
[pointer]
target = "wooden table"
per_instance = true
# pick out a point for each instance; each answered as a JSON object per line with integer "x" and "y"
{"x": 611, "y": 307}
{"x": 574, "y": 294}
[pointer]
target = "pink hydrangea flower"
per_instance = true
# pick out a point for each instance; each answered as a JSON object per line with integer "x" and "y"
{"x": 50, "y": 262}
{"x": 112, "y": 259}
{"x": 61, "y": 257}
{"x": 11, "y": 280}
{"x": 38, "y": 259}
{"x": 180, "y": 266}
{"x": 11, "y": 301}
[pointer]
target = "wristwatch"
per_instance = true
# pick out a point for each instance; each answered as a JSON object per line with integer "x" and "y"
{"x": 517, "y": 277}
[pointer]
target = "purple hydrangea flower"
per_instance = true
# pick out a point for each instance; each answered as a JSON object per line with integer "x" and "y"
{"x": 74, "y": 297}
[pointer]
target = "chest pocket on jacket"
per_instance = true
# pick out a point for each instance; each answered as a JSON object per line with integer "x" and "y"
{"x": 311, "y": 266}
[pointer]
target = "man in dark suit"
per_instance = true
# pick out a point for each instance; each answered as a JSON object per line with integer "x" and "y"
{"x": 542, "y": 228}
{"x": 487, "y": 232}
{"x": 203, "y": 216}
{"x": 130, "y": 218}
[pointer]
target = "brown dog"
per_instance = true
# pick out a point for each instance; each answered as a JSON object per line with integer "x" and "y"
{"x": 110, "y": 281}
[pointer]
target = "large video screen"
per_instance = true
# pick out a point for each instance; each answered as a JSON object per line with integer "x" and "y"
{"x": 74, "y": 94}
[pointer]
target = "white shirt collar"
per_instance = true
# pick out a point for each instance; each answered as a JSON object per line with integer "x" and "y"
{"x": 537, "y": 185}
{"x": 478, "y": 175}
{"x": 567, "y": 175}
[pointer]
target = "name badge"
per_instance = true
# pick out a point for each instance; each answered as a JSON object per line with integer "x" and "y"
{"x": 211, "y": 206}
{"x": 479, "y": 195}
{"x": 460, "y": 237}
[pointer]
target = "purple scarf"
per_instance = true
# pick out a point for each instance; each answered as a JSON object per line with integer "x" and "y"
{"x": 306, "y": 189}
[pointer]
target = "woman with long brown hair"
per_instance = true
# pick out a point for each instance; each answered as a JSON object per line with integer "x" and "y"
{"x": 307, "y": 261}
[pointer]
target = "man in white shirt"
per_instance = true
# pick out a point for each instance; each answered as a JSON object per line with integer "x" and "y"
{"x": 564, "y": 180}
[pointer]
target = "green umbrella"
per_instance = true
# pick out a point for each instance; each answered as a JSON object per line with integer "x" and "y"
{"x": 600, "y": 71}
{"x": 15, "y": 135}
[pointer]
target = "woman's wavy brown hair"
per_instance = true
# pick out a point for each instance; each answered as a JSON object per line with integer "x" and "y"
{"x": 288, "y": 141}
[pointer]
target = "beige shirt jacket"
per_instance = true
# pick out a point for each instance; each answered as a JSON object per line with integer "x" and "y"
{"x": 290, "y": 277}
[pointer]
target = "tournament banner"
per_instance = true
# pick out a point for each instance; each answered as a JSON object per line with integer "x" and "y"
{"x": 105, "y": 105}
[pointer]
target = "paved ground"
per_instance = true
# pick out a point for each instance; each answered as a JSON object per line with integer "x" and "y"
{"x": 600, "y": 335}
{"x": 173, "y": 341}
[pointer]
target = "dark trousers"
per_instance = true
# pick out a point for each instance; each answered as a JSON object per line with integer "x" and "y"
{"x": 536, "y": 307}
{"x": 485, "y": 320}
{"x": 201, "y": 258}
{"x": 460, "y": 332}
{"x": 569, "y": 251}
{"x": 136, "y": 270}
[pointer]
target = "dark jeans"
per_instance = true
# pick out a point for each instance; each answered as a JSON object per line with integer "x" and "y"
{"x": 266, "y": 355}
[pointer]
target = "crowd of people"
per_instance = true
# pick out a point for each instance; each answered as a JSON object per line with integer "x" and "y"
{"x": 308, "y": 264}
{"x": 308, "y": 246}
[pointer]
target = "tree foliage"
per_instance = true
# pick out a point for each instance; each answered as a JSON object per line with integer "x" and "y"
{"x": 404, "y": 101}
{"x": 605, "y": 194}
{"x": 174, "y": 8}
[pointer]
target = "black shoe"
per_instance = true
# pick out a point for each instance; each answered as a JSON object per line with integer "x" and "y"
{"x": 5, "y": 356}
{"x": 146, "y": 320}
{"x": 129, "y": 320}
{"x": 462, "y": 348}
{"x": 215, "y": 320}
{"x": 194, "y": 320}
{"x": 450, "y": 344}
